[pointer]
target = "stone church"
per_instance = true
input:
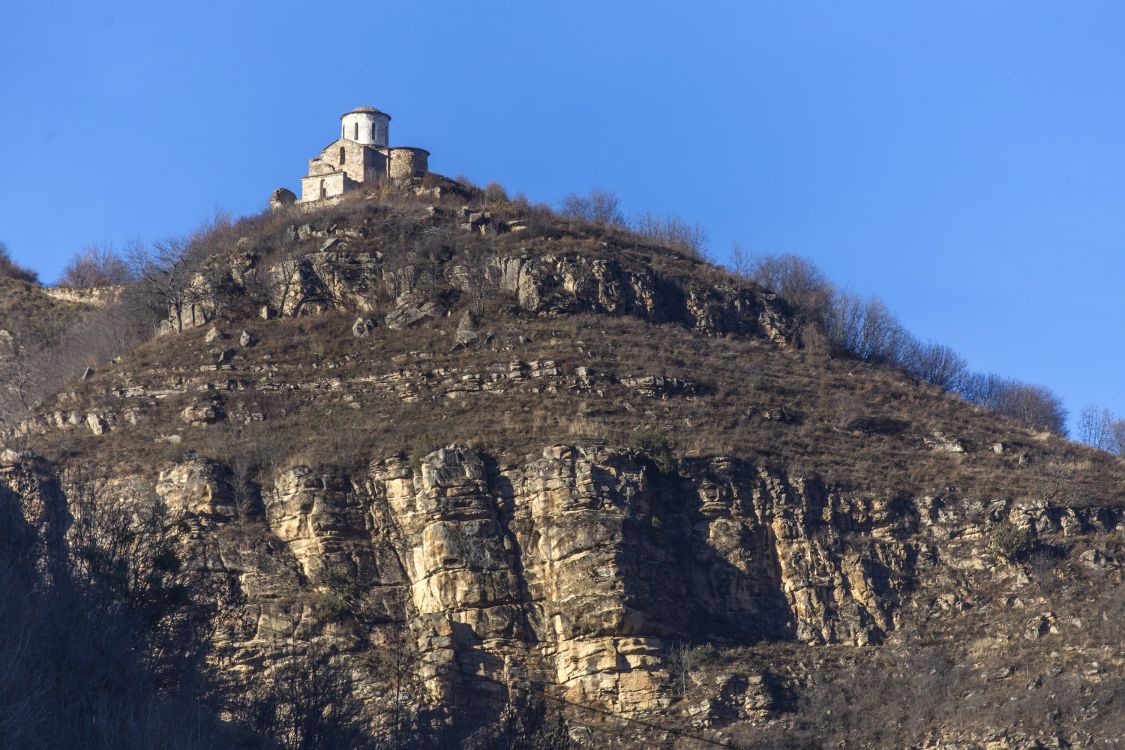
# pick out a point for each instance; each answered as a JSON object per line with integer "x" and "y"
{"x": 359, "y": 157}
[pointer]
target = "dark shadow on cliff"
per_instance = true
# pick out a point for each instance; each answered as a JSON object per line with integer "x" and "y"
{"x": 91, "y": 656}
{"x": 677, "y": 582}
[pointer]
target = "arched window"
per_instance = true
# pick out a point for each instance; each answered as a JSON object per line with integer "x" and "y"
{"x": 374, "y": 136}
{"x": 341, "y": 154}
{"x": 356, "y": 131}
{"x": 343, "y": 131}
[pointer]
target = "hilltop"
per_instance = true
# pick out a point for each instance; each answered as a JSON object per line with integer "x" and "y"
{"x": 489, "y": 461}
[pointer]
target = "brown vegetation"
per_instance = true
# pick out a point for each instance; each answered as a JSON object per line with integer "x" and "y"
{"x": 12, "y": 270}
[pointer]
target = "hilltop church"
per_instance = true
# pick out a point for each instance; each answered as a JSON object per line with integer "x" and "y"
{"x": 359, "y": 157}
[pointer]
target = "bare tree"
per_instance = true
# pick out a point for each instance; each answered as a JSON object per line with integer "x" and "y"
{"x": 1035, "y": 406}
{"x": 1101, "y": 429}
{"x": 740, "y": 264}
{"x": 683, "y": 659}
{"x": 96, "y": 265}
{"x": 165, "y": 275}
{"x": 1118, "y": 437}
{"x": 22, "y": 378}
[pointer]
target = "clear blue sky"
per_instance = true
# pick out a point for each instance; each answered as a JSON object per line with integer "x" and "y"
{"x": 964, "y": 160}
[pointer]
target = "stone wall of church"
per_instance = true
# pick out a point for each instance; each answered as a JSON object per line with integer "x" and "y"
{"x": 409, "y": 162}
{"x": 324, "y": 186}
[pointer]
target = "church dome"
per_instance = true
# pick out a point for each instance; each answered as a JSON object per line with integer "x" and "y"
{"x": 365, "y": 111}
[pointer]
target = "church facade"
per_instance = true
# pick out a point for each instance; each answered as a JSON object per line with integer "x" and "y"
{"x": 361, "y": 157}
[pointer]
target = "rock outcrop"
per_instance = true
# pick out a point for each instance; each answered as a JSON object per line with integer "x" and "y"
{"x": 556, "y": 284}
{"x": 338, "y": 277}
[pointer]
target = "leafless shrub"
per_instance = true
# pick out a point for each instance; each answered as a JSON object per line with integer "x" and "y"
{"x": 495, "y": 193}
{"x": 848, "y": 408}
{"x": 21, "y": 378}
{"x": 1032, "y": 405}
{"x": 865, "y": 328}
{"x": 933, "y": 363}
{"x": 672, "y": 232}
{"x": 251, "y": 454}
{"x": 599, "y": 207}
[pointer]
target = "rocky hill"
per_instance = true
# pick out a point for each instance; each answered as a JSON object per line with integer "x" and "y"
{"x": 519, "y": 477}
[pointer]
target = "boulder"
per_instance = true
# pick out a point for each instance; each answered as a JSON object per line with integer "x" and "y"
{"x": 97, "y": 424}
{"x": 1039, "y": 626}
{"x": 461, "y": 278}
{"x": 363, "y": 327}
{"x": 466, "y": 329}
{"x": 411, "y": 312}
{"x": 247, "y": 339}
{"x": 197, "y": 486}
{"x": 199, "y": 415}
{"x": 281, "y": 198}
{"x": 944, "y": 443}
{"x": 214, "y": 335}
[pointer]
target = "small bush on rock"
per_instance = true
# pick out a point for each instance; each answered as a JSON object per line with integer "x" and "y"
{"x": 1012, "y": 542}
{"x": 651, "y": 442}
{"x": 424, "y": 445}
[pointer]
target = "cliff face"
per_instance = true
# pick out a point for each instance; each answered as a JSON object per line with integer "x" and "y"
{"x": 580, "y": 568}
{"x": 584, "y": 571}
{"x": 644, "y": 503}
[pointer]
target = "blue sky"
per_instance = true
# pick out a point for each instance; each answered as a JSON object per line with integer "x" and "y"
{"x": 963, "y": 160}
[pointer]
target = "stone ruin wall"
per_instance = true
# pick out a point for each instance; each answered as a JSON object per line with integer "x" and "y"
{"x": 98, "y": 296}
